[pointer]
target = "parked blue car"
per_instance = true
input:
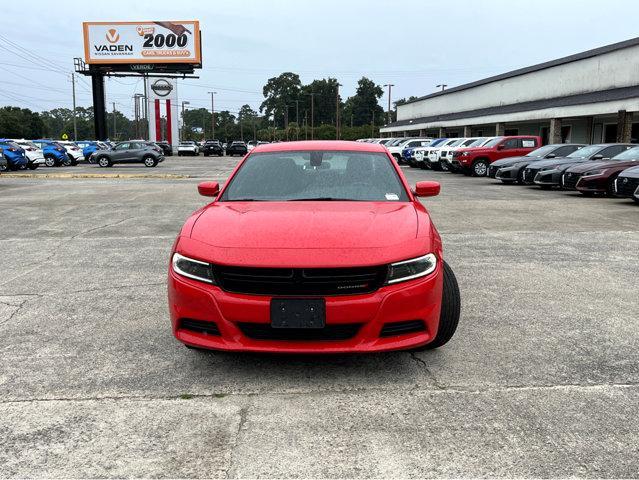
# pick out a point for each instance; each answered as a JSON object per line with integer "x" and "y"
{"x": 54, "y": 153}
{"x": 14, "y": 153}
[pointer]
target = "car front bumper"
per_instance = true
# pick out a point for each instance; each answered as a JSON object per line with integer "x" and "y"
{"x": 548, "y": 178}
{"x": 507, "y": 174}
{"x": 418, "y": 299}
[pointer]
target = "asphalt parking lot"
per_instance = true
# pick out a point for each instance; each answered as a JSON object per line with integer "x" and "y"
{"x": 541, "y": 379}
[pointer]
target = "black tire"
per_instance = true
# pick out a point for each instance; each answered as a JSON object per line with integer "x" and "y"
{"x": 220, "y": 154}
{"x": 149, "y": 161}
{"x": 443, "y": 166}
{"x": 104, "y": 162}
{"x": 4, "y": 168}
{"x": 587, "y": 194}
{"x": 545, "y": 187}
{"x": 67, "y": 162}
{"x": 205, "y": 154}
{"x": 74, "y": 162}
{"x": 520, "y": 176}
{"x": 33, "y": 166}
{"x": 450, "y": 311}
{"x": 50, "y": 161}
{"x": 179, "y": 154}
{"x": 479, "y": 168}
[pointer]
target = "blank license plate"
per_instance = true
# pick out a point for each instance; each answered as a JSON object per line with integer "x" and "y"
{"x": 298, "y": 313}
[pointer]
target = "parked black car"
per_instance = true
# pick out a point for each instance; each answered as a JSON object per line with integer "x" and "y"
{"x": 213, "y": 147}
{"x": 627, "y": 184}
{"x": 548, "y": 173}
{"x": 236, "y": 148}
{"x": 166, "y": 147}
{"x": 128, "y": 152}
{"x": 510, "y": 170}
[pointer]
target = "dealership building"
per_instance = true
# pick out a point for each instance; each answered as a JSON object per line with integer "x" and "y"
{"x": 589, "y": 97}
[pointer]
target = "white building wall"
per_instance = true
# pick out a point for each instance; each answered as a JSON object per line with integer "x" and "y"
{"x": 602, "y": 72}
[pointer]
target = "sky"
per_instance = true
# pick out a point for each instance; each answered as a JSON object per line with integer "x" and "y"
{"x": 413, "y": 44}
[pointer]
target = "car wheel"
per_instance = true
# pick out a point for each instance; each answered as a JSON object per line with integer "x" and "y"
{"x": 33, "y": 166}
{"x": 545, "y": 187}
{"x": 449, "y": 315}
{"x": 4, "y": 168}
{"x": 220, "y": 154}
{"x": 67, "y": 162}
{"x": 74, "y": 162}
{"x": 150, "y": 162}
{"x": 179, "y": 154}
{"x": 443, "y": 166}
{"x": 49, "y": 160}
{"x": 587, "y": 194}
{"x": 479, "y": 168}
{"x": 104, "y": 162}
{"x": 520, "y": 176}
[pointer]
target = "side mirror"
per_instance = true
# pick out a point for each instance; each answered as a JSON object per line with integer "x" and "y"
{"x": 208, "y": 189}
{"x": 599, "y": 156}
{"x": 427, "y": 189}
{"x": 551, "y": 155}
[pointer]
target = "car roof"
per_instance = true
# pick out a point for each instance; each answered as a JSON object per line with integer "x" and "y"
{"x": 320, "y": 145}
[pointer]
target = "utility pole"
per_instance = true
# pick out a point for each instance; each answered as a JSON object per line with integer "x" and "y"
{"x": 388, "y": 115}
{"x": 312, "y": 116}
{"x": 337, "y": 111}
{"x": 254, "y": 131}
{"x": 297, "y": 118}
{"x": 115, "y": 131}
{"x": 241, "y": 127}
{"x": 442, "y": 85}
{"x": 145, "y": 108}
{"x": 286, "y": 121}
{"x": 305, "y": 124}
{"x": 212, "y": 115}
{"x": 183, "y": 123}
{"x": 75, "y": 125}
{"x": 138, "y": 114}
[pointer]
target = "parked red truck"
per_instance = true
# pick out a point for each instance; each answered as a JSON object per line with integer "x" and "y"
{"x": 475, "y": 161}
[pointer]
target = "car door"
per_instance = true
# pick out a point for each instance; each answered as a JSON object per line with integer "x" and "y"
{"x": 120, "y": 152}
{"x": 508, "y": 148}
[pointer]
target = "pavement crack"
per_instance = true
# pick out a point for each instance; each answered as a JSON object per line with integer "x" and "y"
{"x": 15, "y": 312}
{"x": 244, "y": 411}
{"x": 429, "y": 373}
{"x": 93, "y": 229}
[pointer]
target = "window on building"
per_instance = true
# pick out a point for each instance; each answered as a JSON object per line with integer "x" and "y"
{"x": 509, "y": 132}
{"x": 634, "y": 133}
{"x": 610, "y": 133}
{"x": 566, "y": 130}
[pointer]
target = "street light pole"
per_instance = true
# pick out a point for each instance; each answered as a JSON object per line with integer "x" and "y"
{"x": 337, "y": 111}
{"x": 114, "y": 129}
{"x": 388, "y": 115}
{"x": 297, "y": 118}
{"x": 312, "y": 116}
{"x": 212, "y": 115}
{"x": 442, "y": 85}
{"x": 75, "y": 125}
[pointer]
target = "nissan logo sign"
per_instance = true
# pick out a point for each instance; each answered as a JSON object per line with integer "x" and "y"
{"x": 161, "y": 87}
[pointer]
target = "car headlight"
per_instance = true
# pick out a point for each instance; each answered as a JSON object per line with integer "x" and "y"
{"x": 413, "y": 268}
{"x": 594, "y": 172}
{"x": 195, "y": 269}
{"x": 465, "y": 154}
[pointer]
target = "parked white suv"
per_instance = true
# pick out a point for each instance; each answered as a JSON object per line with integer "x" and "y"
{"x": 396, "y": 149}
{"x": 74, "y": 152}
{"x": 34, "y": 154}
{"x": 188, "y": 148}
{"x": 446, "y": 162}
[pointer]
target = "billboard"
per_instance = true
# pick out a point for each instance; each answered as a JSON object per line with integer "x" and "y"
{"x": 163, "y": 109}
{"x": 142, "y": 42}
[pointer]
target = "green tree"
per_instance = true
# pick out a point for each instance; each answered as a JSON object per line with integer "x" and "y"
{"x": 363, "y": 107}
{"x": 280, "y": 94}
{"x": 18, "y": 122}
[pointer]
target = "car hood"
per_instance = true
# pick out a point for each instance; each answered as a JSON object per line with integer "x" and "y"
{"x": 309, "y": 233}
{"x": 630, "y": 172}
{"x": 558, "y": 161}
{"x": 476, "y": 150}
{"x": 595, "y": 165}
{"x": 510, "y": 161}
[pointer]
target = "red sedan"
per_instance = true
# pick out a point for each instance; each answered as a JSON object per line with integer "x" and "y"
{"x": 313, "y": 247}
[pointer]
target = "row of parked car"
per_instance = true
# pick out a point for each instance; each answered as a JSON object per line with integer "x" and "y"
{"x": 610, "y": 169}
{"x": 217, "y": 147}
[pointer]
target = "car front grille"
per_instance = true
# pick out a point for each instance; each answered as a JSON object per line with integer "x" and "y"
{"x": 529, "y": 175}
{"x": 264, "y": 331}
{"x": 402, "y": 328}
{"x": 444, "y": 153}
{"x": 626, "y": 186}
{"x": 300, "y": 281}
{"x": 569, "y": 180}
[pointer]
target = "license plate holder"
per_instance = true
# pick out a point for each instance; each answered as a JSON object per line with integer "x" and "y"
{"x": 298, "y": 313}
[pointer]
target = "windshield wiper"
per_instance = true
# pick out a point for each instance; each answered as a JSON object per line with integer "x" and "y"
{"x": 320, "y": 199}
{"x": 243, "y": 200}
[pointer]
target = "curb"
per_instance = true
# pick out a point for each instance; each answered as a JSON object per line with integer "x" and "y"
{"x": 92, "y": 175}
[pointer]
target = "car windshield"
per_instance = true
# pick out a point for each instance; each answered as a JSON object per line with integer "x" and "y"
{"x": 493, "y": 142}
{"x": 316, "y": 175}
{"x": 630, "y": 154}
{"x": 457, "y": 142}
{"x": 438, "y": 142}
{"x": 541, "y": 151}
{"x": 585, "y": 152}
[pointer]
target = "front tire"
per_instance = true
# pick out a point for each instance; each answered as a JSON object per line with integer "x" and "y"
{"x": 49, "y": 161}
{"x": 479, "y": 168}
{"x": 67, "y": 162}
{"x": 150, "y": 162}
{"x": 104, "y": 162}
{"x": 33, "y": 166}
{"x": 450, "y": 311}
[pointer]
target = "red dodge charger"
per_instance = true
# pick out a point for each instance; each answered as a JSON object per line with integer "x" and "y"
{"x": 313, "y": 247}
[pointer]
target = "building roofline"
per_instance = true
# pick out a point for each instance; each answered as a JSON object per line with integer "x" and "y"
{"x": 534, "y": 68}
